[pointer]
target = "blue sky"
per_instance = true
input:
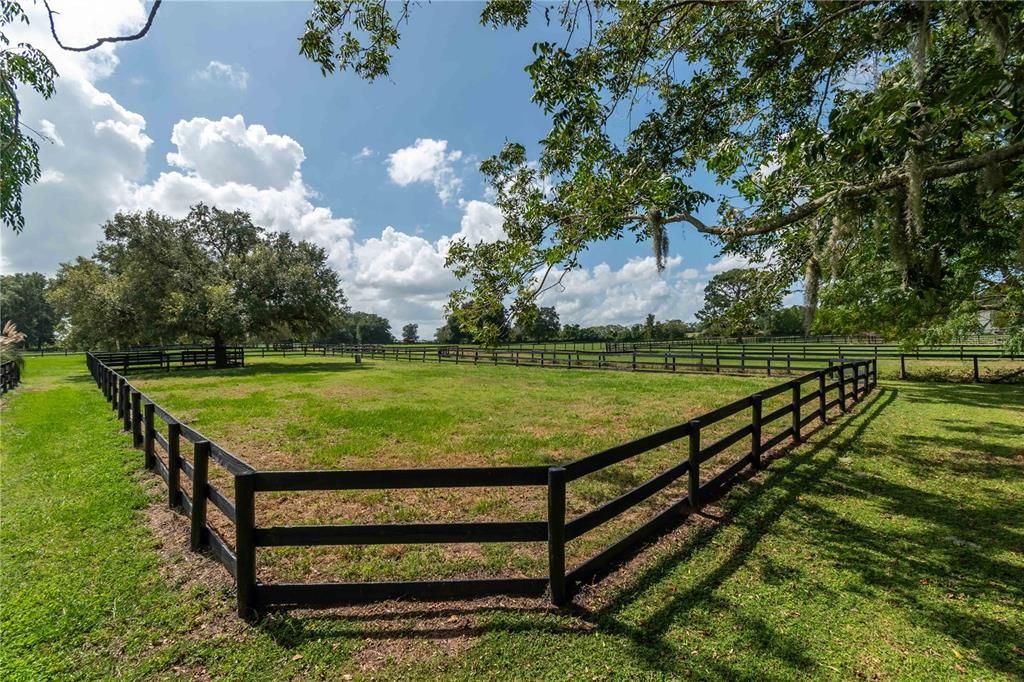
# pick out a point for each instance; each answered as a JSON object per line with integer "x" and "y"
{"x": 216, "y": 104}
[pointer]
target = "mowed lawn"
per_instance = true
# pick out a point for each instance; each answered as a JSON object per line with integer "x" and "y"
{"x": 890, "y": 546}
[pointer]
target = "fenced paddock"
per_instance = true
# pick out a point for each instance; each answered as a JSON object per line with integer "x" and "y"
{"x": 223, "y": 517}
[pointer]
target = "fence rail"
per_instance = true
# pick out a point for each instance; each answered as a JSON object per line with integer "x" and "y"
{"x": 849, "y": 381}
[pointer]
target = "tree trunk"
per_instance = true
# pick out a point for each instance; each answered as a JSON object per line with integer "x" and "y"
{"x": 220, "y": 351}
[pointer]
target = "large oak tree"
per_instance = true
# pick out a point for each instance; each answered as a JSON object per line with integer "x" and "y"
{"x": 212, "y": 275}
{"x": 871, "y": 146}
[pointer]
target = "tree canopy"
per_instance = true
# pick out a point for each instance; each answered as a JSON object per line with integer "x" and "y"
{"x": 23, "y": 301}
{"x": 740, "y": 302}
{"x": 841, "y": 134}
{"x": 212, "y": 275}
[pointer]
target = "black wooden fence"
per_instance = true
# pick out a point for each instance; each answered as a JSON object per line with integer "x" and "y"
{"x": 847, "y": 381}
{"x": 10, "y": 376}
{"x": 726, "y": 359}
{"x": 165, "y": 358}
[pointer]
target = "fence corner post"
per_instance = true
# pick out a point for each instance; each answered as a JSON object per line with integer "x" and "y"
{"x": 556, "y": 535}
{"x": 755, "y": 430}
{"x": 245, "y": 545}
{"x": 693, "y": 486}
{"x": 200, "y": 472}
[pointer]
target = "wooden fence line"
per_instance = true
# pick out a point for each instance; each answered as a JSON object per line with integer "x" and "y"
{"x": 850, "y": 381}
{"x": 716, "y": 359}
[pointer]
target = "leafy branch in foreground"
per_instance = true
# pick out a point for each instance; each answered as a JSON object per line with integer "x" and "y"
{"x": 25, "y": 64}
{"x": 835, "y": 131}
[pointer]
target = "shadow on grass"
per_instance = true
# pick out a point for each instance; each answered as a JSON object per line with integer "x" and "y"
{"x": 965, "y": 395}
{"x": 251, "y": 370}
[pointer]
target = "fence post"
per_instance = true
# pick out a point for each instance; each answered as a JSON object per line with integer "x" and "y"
{"x": 842, "y": 387}
{"x": 977, "y": 379}
{"x": 173, "y": 464}
{"x": 120, "y": 398}
{"x": 147, "y": 437}
{"x": 126, "y": 414}
{"x": 822, "y": 411}
{"x": 200, "y": 471}
{"x": 136, "y": 419}
{"x": 755, "y": 433}
{"x": 903, "y": 367}
{"x": 115, "y": 394}
{"x": 796, "y": 412}
{"x": 245, "y": 545}
{"x": 693, "y": 489}
{"x": 556, "y": 535}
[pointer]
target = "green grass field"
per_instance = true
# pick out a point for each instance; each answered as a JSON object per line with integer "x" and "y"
{"x": 890, "y": 546}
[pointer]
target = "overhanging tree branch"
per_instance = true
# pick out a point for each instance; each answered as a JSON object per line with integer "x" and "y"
{"x": 100, "y": 41}
{"x": 887, "y": 181}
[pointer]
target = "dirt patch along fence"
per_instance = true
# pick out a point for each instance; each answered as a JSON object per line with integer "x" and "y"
{"x": 808, "y": 399}
{"x": 10, "y": 376}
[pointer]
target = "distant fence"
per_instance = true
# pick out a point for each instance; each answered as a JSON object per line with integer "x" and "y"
{"x": 753, "y": 354}
{"x": 848, "y": 382}
{"x": 165, "y": 358}
{"x": 769, "y": 359}
{"x": 10, "y": 376}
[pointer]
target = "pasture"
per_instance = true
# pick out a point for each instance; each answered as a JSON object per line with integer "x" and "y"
{"x": 887, "y": 545}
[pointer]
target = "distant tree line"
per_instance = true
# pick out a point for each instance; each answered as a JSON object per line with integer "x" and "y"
{"x": 212, "y": 276}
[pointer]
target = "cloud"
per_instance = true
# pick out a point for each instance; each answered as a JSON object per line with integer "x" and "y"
{"x": 364, "y": 153}
{"x": 228, "y": 150}
{"x": 101, "y": 167}
{"x": 50, "y": 176}
{"x": 219, "y": 73}
{"x": 481, "y": 222}
{"x": 605, "y": 295}
{"x": 427, "y": 161}
{"x": 727, "y": 262}
{"x": 49, "y": 130}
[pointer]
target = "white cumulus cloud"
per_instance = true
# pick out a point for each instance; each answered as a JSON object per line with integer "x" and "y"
{"x": 606, "y": 295}
{"x": 220, "y": 73}
{"x": 427, "y": 161}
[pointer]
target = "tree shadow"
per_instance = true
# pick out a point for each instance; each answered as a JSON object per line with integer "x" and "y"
{"x": 258, "y": 369}
{"x": 970, "y": 395}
